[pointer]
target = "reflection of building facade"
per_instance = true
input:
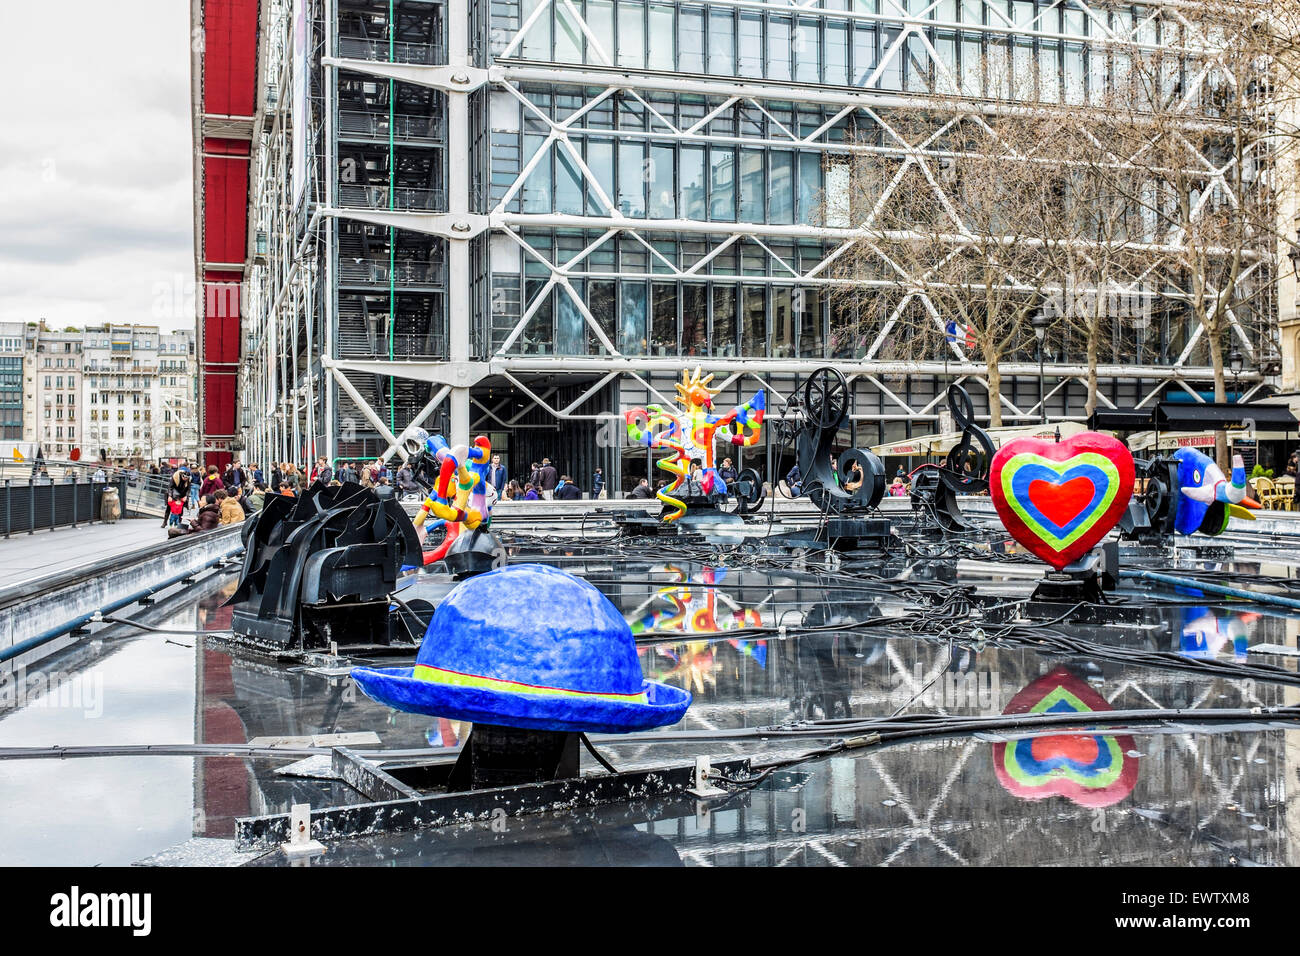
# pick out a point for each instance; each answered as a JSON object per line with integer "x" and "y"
{"x": 634, "y": 185}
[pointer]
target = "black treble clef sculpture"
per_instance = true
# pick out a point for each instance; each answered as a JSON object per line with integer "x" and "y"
{"x": 964, "y": 472}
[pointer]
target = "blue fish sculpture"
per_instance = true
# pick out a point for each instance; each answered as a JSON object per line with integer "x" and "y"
{"x": 1206, "y": 499}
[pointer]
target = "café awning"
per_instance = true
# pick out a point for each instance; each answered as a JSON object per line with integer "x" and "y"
{"x": 1198, "y": 416}
{"x": 938, "y": 444}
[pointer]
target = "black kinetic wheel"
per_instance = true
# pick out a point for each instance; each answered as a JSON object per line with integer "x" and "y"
{"x": 825, "y": 397}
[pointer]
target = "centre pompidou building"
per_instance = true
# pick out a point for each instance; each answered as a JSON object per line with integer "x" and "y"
{"x": 516, "y": 217}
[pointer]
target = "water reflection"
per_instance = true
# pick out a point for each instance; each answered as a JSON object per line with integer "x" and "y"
{"x": 1091, "y": 770}
{"x": 685, "y": 608}
{"x": 1182, "y": 799}
{"x": 1209, "y": 632}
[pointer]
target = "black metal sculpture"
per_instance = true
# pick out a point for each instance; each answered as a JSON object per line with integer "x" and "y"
{"x": 856, "y": 482}
{"x": 1152, "y": 510}
{"x": 965, "y": 470}
{"x": 318, "y": 568}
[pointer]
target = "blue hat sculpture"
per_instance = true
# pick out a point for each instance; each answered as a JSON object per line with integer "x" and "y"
{"x": 528, "y": 646}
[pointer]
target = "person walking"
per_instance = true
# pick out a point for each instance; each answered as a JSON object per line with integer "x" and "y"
{"x": 549, "y": 478}
{"x": 175, "y": 508}
{"x": 324, "y": 473}
{"x": 406, "y": 484}
{"x": 598, "y": 484}
{"x": 177, "y": 489}
{"x": 695, "y": 480}
{"x": 194, "y": 486}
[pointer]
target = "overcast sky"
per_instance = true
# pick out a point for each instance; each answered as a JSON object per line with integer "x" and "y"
{"x": 96, "y": 220}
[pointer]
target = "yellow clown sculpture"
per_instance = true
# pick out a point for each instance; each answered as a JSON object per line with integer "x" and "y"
{"x": 689, "y": 431}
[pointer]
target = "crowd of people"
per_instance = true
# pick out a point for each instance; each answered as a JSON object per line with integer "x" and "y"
{"x": 212, "y": 497}
{"x": 543, "y": 482}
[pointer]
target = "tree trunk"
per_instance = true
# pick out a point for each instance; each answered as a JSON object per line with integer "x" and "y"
{"x": 1091, "y": 405}
{"x": 1220, "y": 395}
{"x": 995, "y": 389}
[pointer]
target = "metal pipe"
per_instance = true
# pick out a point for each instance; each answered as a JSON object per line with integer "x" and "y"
{"x": 1211, "y": 588}
{"x": 22, "y": 647}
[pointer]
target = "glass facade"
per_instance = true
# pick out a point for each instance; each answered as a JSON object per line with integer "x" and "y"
{"x": 648, "y": 183}
{"x": 669, "y": 158}
{"x": 1048, "y": 51}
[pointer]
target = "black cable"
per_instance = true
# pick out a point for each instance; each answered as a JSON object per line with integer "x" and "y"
{"x": 111, "y": 619}
{"x": 591, "y": 749}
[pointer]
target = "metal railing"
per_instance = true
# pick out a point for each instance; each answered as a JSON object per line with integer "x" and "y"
{"x": 39, "y": 502}
{"x": 141, "y": 493}
{"x": 406, "y": 128}
{"x": 403, "y": 272}
{"x": 403, "y": 51}
{"x": 406, "y": 198}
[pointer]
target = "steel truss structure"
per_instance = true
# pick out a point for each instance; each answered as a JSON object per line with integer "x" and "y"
{"x": 518, "y": 216}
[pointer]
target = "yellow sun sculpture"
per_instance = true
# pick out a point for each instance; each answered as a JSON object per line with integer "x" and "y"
{"x": 689, "y": 431}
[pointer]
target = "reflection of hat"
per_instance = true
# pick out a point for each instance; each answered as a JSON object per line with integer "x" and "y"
{"x": 528, "y": 646}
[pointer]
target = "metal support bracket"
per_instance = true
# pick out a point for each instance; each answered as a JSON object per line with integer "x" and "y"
{"x": 700, "y": 785}
{"x": 301, "y": 846}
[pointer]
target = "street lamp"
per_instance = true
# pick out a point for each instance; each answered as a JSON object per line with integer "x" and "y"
{"x": 1235, "y": 362}
{"x": 1039, "y": 322}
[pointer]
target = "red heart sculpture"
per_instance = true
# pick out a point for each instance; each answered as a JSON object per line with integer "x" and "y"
{"x": 1059, "y": 499}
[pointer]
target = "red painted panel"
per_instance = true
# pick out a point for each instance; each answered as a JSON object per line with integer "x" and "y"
{"x": 225, "y": 207}
{"x": 229, "y": 56}
{"x": 227, "y": 147}
{"x": 229, "y": 86}
{"x": 219, "y": 402}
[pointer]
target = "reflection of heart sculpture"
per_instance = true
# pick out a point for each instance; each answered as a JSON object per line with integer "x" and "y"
{"x": 1059, "y": 499}
{"x": 1092, "y": 770}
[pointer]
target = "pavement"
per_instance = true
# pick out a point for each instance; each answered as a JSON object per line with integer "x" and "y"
{"x": 24, "y": 557}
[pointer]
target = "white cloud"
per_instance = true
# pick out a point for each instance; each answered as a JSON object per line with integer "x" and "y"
{"x": 96, "y": 190}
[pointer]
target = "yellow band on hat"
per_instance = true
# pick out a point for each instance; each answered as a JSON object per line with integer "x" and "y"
{"x": 437, "y": 675}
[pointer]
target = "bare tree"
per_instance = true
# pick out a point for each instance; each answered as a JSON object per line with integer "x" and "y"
{"x": 1102, "y": 254}
{"x": 1166, "y": 184}
{"x": 1200, "y": 119}
{"x": 957, "y": 239}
